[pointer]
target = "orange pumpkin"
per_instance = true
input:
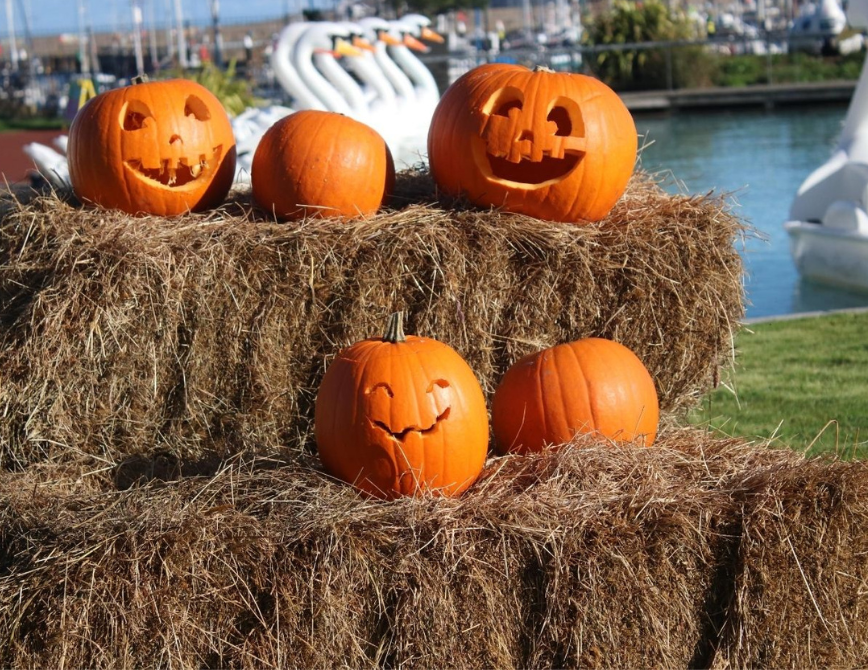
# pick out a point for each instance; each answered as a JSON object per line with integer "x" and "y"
{"x": 553, "y": 145}
{"x": 314, "y": 163}
{"x": 163, "y": 147}
{"x": 398, "y": 416}
{"x": 592, "y": 385}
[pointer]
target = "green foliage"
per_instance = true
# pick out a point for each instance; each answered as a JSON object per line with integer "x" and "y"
{"x": 32, "y": 123}
{"x": 631, "y": 22}
{"x": 747, "y": 70}
{"x": 741, "y": 70}
{"x": 680, "y": 64}
{"x": 234, "y": 92}
{"x": 801, "y": 381}
{"x": 433, "y": 7}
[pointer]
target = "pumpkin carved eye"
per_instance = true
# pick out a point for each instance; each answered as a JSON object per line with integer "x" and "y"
{"x": 134, "y": 115}
{"x": 503, "y": 108}
{"x": 561, "y": 118}
{"x": 382, "y": 386}
{"x": 197, "y": 108}
{"x": 565, "y": 118}
{"x": 504, "y": 100}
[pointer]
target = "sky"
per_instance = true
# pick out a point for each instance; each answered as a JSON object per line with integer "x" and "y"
{"x": 46, "y": 17}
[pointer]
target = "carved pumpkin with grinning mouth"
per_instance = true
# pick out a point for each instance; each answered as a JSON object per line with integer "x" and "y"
{"x": 401, "y": 415}
{"x": 163, "y": 148}
{"x": 553, "y": 145}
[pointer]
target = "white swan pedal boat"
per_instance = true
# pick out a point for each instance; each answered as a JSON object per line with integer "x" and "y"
{"x": 828, "y": 220}
{"x": 827, "y": 255}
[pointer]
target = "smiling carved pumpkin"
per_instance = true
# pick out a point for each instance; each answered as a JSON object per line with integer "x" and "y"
{"x": 553, "y": 145}
{"x": 398, "y": 416}
{"x": 163, "y": 147}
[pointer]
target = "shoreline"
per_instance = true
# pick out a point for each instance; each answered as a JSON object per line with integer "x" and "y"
{"x": 767, "y": 96}
{"x": 803, "y": 315}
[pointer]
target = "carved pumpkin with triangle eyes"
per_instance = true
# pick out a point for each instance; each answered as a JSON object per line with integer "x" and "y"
{"x": 398, "y": 416}
{"x": 553, "y": 145}
{"x": 164, "y": 147}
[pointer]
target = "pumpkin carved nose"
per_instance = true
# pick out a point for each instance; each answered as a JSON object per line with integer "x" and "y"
{"x": 175, "y": 138}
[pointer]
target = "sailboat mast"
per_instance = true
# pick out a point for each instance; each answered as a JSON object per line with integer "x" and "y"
{"x": 137, "y": 36}
{"x": 170, "y": 44}
{"x": 152, "y": 36}
{"x": 83, "y": 51}
{"x": 13, "y": 44}
{"x": 182, "y": 38}
{"x": 218, "y": 36}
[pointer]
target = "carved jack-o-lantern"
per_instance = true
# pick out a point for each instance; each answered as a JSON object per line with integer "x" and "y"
{"x": 553, "y": 145}
{"x": 162, "y": 147}
{"x": 400, "y": 415}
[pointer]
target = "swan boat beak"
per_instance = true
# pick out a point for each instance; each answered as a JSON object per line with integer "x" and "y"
{"x": 414, "y": 44}
{"x": 362, "y": 44}
{"x": 344, "y": 48}
{"x": 388, "y": 39}
{"x": 431, "y": 36}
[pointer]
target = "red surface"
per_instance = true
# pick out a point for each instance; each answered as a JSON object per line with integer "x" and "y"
{"x": 14, "y": 163}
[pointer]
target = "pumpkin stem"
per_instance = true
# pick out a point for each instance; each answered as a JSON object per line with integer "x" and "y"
{"x": 542, "y": 68}
{"x": 395, "y": 329}
{"x": 140, "y": 79}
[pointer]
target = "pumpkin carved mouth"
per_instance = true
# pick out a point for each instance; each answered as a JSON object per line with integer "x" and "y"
{"x": 401, "y": 435}
{"x": 176, "y": 174}
{"x": 532, "y": 172}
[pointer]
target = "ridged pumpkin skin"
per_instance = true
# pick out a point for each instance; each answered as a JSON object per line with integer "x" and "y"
{"x": 324, "y": 164}
{"x": 162, "y": 147}
{"x": 402, "y": 418}
{"x": 553, "y": 145}
{"x": 586, "y": 386}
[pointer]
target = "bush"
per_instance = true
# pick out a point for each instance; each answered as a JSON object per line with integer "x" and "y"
{"x": 630, "y": 22}
{"x": 747, "y": 70}
{"x": 234, "y": 92}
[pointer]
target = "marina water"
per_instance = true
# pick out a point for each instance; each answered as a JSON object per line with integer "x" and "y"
{"x": 758, "y": 159}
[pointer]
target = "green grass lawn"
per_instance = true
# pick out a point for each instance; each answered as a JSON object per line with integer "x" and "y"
{"x": 33, "y": 123}
{"x": 802, "y": 382}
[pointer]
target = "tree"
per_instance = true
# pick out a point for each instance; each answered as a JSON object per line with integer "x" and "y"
{"x": 632, "y": 23}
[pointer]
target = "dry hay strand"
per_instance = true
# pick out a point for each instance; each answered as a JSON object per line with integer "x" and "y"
{"x": 593, "y": 555}
{"x": 206, "y": 336}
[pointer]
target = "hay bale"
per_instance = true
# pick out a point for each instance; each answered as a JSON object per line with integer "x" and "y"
{"x": 596, "y": 555}
{"x": 700, "y": 552}
{"x": 801, "y": 596}
{"x": 206, "y": 336}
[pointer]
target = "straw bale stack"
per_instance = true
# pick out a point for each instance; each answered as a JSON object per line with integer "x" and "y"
{"x": 161, "y": 502}
{"x": 206, "y": 336}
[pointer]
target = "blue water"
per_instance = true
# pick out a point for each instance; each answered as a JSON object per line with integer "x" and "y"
{"x": 760, "y": 158}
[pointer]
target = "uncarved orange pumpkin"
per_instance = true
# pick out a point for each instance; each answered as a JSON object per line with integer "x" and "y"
{"x": 553, "y": 145}
{"x": 592, "y": 385}
{"x": 162, "y": 147}
{"x": 399, "y": 416}
{"x": 314, "y": 163}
